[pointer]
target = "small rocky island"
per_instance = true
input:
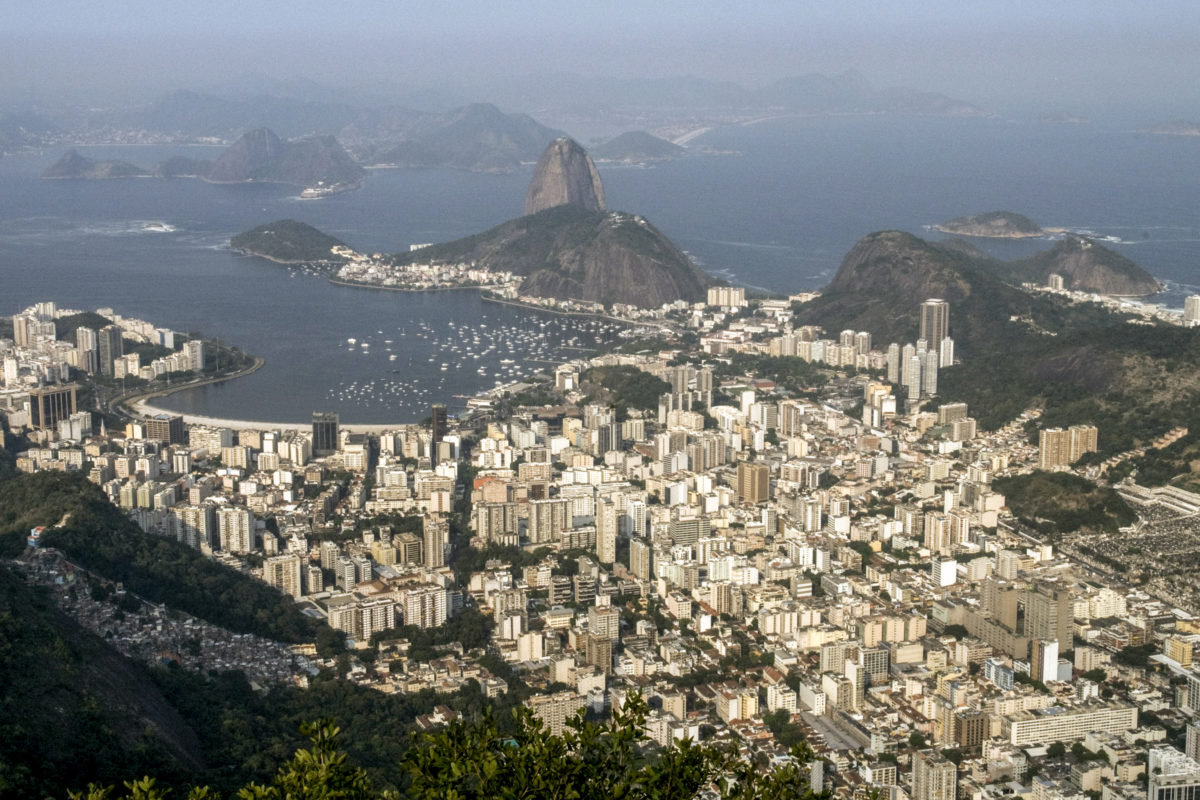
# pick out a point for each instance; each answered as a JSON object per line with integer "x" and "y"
{"x": 637, "y": 147}
{"x": 287, "y": 241}
{"x": 993, "y": 225}
{"x": 1177, "y": 127}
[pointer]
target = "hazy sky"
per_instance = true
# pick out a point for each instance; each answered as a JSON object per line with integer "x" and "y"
{"x": 1066, "y": 55}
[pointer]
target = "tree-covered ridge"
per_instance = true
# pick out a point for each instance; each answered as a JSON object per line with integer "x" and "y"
{"x": 95, "y": 534}
{"x": 475, "y": 760}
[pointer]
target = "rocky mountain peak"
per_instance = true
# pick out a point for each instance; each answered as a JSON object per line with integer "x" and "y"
{"x": 565, "y": 175}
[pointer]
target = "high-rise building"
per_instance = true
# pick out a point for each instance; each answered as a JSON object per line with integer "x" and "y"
{"x": 555, "y": 709}
{"x": 753, "y": 482}
{"x": 893, "y": 363}
{"x": 606, "y": 530}
{"x": 946, "y": 352}
{"x": 325, "y": 433}
{"x": 87, "y": 346}
{"x": 1191, "y": 310}
{"x": 284, "y": 573}
{"x": 929, "y": 374}
{"x": 48, "y": 405}
{"x": 1192, "y": 745}
{"x": 235, "y": 526}
{"x": 436, "y": 532}
{"x": 1049, "y": 612}
{"x": 934, "y": 776}
{"x": 1173, "y": 775}
{"x": 935, "y": 320}
{"x": 110, "y": 347}
{"x": 1061, "y": 448}
{"x": 166, "y": 428}
{"x": 639, "y": 559}
{"x": 437, "y": 414}
{"x": 1043, "y": 662}
{"x": 193, "y": 349}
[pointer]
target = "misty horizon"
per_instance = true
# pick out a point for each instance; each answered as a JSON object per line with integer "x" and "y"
{"x": 1019, "y": 59}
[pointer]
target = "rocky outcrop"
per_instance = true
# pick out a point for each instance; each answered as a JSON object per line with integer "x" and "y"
{"x": 565, "y": 175}
{"x": 260, "y": 155}
{"x": 1088, "y": 266}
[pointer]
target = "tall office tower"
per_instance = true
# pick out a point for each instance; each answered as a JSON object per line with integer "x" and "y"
{"x": 166, "y": 428}
{"x": 437, "y": 531}
{"x": 934, "y": 776}
{"x": 547, "y": 519}
{"x": 437, "y": 413}
{"x": 606, "y": 530}
{"x": 325, "y": 433}
{"x": 946, "y": 352}
{"x": 284, "y": 573}
{"x": 929, "y": 374}
{"x": 893, "y": 363}
{"x": 108, "y": 343}
{"x": 935, "y": 320}
{"x": 1191, "y": 310}
{"x": 753, "y": 482}
{"x": 1049, "y": 613}
{"x": 48, "y": 405}
{"x": 87, "y": 343}
{"x": 639, "y": 559}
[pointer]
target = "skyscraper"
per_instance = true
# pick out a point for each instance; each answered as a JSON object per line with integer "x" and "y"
{"x": 929, "y": 374}
{"x": 325, "y": 433}
{"x": 108, "y": 342}
{"x": 753, "y": 481}
{"x": 935, "y": 320}
{"x": 50, "y": 404}
{"x": 86, "y": 343}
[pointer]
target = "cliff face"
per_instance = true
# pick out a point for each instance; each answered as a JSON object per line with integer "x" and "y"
{"x": 260, "y": 155}
{"x": 565, "y": 175}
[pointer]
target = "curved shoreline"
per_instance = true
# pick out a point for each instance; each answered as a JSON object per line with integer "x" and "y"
{"x": 354, "y": 285}
{"x": 138, "y": 399}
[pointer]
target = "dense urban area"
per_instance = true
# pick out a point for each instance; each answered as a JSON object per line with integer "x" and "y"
{"x": 770, "y": 535}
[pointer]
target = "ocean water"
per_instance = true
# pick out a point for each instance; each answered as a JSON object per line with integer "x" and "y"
{"x": 779, "y": 214}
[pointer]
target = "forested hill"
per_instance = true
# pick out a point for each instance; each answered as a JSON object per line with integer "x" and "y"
{"x": 95, "y": 534}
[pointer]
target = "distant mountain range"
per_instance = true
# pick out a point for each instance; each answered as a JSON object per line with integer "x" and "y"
{"x": 454, "y": 129}
{"x": 257, "y": 156}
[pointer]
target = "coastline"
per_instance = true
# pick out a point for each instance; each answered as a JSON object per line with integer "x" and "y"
{"x": 355, "y": 285}
{"x": 534, "y": 307}
{"x": 135, "y": 401}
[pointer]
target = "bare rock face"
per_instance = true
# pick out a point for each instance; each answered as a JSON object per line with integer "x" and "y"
{"x": 565, "y": 175}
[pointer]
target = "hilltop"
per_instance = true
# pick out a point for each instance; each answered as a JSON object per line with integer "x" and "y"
{"x": 1079, "y": 361}
{"x": 287, "y": 241}
{"x": 565, "y": 174}
{"x": 569, "y": 252}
